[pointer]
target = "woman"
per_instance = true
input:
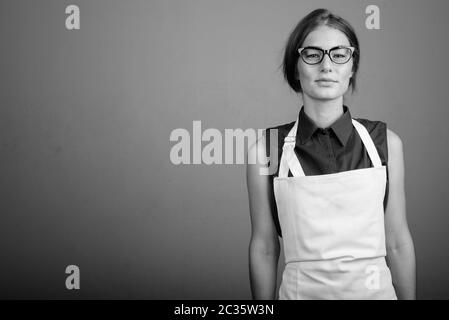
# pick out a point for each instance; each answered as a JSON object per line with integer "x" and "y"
{"x": 336, "y": 200}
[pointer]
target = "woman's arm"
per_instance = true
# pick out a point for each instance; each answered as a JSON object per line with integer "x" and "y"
{"x": 399, "y": 243}
{"x": 264, "y": 245}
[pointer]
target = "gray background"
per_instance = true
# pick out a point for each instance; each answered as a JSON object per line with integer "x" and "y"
{"x": 86, "y": 116}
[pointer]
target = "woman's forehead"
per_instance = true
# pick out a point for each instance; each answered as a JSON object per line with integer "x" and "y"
{"x": 326, "y": 37}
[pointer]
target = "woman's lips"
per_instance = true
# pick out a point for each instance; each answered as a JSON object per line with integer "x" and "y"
{"x": 325, "y": 83}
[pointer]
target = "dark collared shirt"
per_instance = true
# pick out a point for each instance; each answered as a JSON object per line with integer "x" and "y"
{"x": 334, "y": 149}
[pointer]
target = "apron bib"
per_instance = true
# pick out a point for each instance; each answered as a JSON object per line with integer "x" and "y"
{"x": 333, "y": 229}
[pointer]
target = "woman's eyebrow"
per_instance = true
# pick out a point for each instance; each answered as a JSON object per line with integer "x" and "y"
{"x": 337, "y": 46}
{"x": 315, "y": 47}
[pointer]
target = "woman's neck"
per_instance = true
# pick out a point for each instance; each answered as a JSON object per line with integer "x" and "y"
{"x": 324, "y": 113}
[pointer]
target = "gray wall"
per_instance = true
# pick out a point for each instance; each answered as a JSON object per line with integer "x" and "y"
{"x": 86, "y": 115}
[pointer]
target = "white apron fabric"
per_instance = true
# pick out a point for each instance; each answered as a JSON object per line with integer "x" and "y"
{"x": 333, "y": 229}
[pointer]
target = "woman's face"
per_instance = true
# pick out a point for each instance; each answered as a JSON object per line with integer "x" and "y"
{"x": 325, "y": 38}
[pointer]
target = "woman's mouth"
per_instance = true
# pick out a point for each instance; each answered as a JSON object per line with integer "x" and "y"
{"x": 326, "y": 80}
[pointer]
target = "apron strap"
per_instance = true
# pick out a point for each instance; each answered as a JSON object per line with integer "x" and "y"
{"x": 289, "y": 160}
{"x": 368, "y": 143}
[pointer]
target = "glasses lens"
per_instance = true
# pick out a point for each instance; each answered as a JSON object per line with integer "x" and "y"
{"x": 341, "y": 55}
{"x": 311, "y": 56}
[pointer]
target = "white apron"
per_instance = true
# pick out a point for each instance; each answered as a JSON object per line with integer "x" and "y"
{"x": 333, "y": 229}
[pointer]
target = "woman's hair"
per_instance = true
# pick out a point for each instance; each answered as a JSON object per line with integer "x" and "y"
{"x": 316, "y": 18}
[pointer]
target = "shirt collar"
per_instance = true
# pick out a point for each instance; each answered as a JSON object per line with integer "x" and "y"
{"x": 342, "y": 127}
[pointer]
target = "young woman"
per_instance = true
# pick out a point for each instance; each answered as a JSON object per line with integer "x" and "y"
{"x": 337, "y": 198}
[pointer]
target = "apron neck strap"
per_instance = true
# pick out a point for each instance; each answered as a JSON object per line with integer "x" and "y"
{"x": 288, "y": 158}
{"x": 368, "y": 143}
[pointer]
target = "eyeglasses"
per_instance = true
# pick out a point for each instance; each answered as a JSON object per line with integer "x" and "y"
{"x": 338, "y": 55}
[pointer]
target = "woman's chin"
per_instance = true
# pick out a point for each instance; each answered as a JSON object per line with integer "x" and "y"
{"x": 326, "y": 94}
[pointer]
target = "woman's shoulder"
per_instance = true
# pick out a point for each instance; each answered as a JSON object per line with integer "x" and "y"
{"x": 376, "y": 128}
{"x": 271, "y": 138}
{"x": 281, "y": 128}
{"x": 278, "y": 131}
{"x": 373, "y": 126}
{"x": 378, "y": 131}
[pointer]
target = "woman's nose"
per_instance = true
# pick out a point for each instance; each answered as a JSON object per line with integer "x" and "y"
{"x": 326, "y": 64}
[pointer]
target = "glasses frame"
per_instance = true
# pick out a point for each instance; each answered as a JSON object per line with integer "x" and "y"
{"x": 326, "y": 52}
